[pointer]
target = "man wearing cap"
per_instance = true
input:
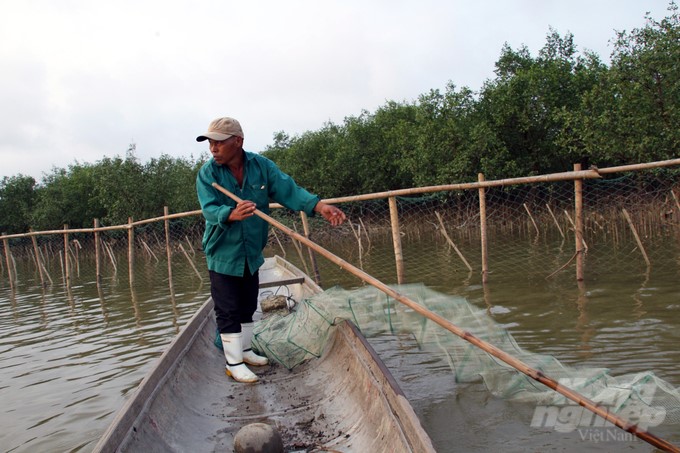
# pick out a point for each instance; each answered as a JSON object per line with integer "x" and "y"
{"x": 234, "y": 237}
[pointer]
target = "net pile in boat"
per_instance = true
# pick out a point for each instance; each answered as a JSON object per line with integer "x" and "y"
{"x": 640, "y": 398}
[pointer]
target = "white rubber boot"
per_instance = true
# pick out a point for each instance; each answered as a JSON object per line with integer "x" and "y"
{"x": 248, "y": 355}
{"x": 233, "y": 352}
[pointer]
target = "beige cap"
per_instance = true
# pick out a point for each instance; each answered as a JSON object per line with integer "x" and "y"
{"x": 221, "y": 129}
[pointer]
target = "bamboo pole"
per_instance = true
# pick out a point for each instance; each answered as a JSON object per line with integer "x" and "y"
{"x": 112, "y": 257}
{"x": 168, "y": 252}
{"x": 396, "y": 239}
{"x": 312, "y": 257}
{"x": 299, "y": 252}
{"x": 531, "y": 217}
{"x": 38, "y": 262}
{"x": 555, "y": 220}
{"x": 677, "y": 204}
{"x": 469, "y": 337}
{"x": 276, "y": 236}
{"x": 357, "y": 236}
{"x": 67, "y": 264}
{"x": 5, "y": 243}
{"x": 578, "y": 225}
{"x": 451, "y": 243}
{"x": 97, "y": 252}
{"x": 637, "y": 237}
{"x": 131, "y": 252}
{"x": 368, "y": 238}
{"x": 482, "y": 227}
{"x": 193, "y": 266}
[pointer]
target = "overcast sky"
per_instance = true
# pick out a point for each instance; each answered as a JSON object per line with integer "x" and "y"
{"x": 82, "y": 79}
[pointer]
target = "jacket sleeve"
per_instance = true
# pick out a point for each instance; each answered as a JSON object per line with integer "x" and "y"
{"x": 284, "y": 190}
{"x": 216, "y": 208}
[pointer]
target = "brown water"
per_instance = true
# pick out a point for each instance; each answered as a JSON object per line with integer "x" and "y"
{"x": 69, "y": 359}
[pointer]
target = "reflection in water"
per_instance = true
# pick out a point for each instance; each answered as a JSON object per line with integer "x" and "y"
{"x": 582, "y": 322}
{"x": 69, "y": 359}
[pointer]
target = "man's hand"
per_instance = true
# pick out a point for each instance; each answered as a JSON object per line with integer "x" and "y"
{"x": 329, "y": 212}
{"x": 243, "y": 210}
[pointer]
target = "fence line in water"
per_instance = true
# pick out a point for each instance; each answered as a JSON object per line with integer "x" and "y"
{"x": 502, "y": 208}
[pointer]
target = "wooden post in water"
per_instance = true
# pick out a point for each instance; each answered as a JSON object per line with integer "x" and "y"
{"x": 396, "y": 239}
{"x": 312, "y": 257}
{"x": 38, "y": 262}
{"x": 482, "y": 226}
{"x": 166, "y": 213}
{"x": 97, "y": 252}
{"x": 637, "y": 238}
{"x": 131, "y": 251}
{"x": 67, "y": 261}
{"x": 5, "y": 243}
{"x": 578, "y": 224}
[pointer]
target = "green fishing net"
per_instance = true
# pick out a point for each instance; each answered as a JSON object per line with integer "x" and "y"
{"x": 292, "y": 337}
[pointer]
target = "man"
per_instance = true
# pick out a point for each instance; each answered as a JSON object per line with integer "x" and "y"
{"x": 235, "y": 238}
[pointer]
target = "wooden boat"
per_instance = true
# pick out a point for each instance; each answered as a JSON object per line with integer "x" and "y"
{"x": 346, "y": 400}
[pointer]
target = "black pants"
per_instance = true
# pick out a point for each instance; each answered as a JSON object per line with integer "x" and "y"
{"x": 235, "y": 299}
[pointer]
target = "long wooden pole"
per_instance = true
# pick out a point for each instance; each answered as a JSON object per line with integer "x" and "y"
{"x": 637, "y": 237}
{"x": 482, "y": 230}
{"x": 312, "y": 258}
{"x": 97, "y": 253}
{"x": 467, "y": 336}
{"x": 168, "y": 252}
{"x": 67, "y": 261}
{"x": 38, "y": 262}
{"x": 578, "y": 226}
{"x": 5, "y": 243}
{"x": 396, "y": 239}
{"x": 131, "y": 252}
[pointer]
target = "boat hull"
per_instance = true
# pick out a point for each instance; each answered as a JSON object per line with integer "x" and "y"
{"x": 346, "y": 400}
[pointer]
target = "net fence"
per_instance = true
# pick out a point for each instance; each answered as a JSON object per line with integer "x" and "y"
{"x": 631, "y": 221}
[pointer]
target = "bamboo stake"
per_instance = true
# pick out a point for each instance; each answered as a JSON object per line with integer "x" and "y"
{"x": 312, "y": 257}
{"x": 368, "y": 238}
{"x": 448, "y": 239}
{"x": 61, "y": 264}
{"x": 469, "y": 337}
{"x": 296, "y": 244}
{"x": 43, "y": 264}
{"x": 396, "y": 239}
{"x": 358, "y": 238}
{"x": 191, "y": 247}
{"x": 67, "y": 264}
{"x": 112, "y": 257}
{"x": 555, "y": 220}
{"x": 578, "y": 226}
{"x": 193, "y": 266}
{"x": 149, "y": 251}
{"x": 482, "y": 226}
{"x": 5, "y": 243}
{"x": 131, "y": 252}
{"x": 573, "y": 226}
{"x": 75, "y": 253}
{"x": 38, "y": 264}
{"x": 168, "y": 252}
{"x": 97, "y": 257}
{"x": 677, "y": 204}
{"x": 283, "y": 250}
{"x": 637, "y": 237}
{"x": 531, "y": 217}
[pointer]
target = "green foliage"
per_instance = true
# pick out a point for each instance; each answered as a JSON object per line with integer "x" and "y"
{"x": 17, "y": 199}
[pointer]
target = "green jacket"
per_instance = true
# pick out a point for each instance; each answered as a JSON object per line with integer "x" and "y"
{"x": 228, "y": 246}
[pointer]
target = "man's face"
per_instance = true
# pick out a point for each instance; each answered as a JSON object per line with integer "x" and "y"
{"x": 226, "y": 152}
